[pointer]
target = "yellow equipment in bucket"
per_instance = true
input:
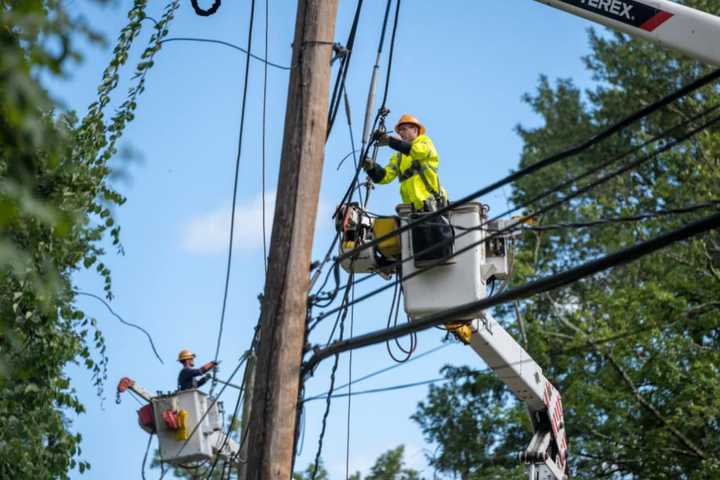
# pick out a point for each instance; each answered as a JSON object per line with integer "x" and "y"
{"x": 390, "y": 247}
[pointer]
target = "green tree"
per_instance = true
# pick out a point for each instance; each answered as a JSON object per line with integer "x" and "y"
{"x": 634, "y": 352}
{"x": 388, "y": 466}
{"x": 55, "y": 213}
{"x": 391, "y": 466}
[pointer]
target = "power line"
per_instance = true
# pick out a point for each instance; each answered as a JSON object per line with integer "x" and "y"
{"x": 235, "y": 184}
{"x": 381, "y": 371}
{"x": 542, "y": 285}
{"x": 551, "y": 160}
{"x": 264, "y": 129}
{"x": 227, "y": 44}
{"x": 129, "y": 324}
{"x": 535, "y": 213}
{"x": 627, "y": 219}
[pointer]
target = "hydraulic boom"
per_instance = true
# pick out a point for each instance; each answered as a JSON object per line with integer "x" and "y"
{"x": 670, "y": 24}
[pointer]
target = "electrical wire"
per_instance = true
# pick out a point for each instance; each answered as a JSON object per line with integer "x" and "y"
{"x": 144, "y": 462}
{"x": 526, "y": 290}
{"x": 350, "y": 381}
{"x": 548, "y": 161}
{"x": 227, "y": 44}
{"x": 339, "y": 88}
{"x": 264, "y": 132}
{"x": 333, "y": 372}
{"x": 124, "y": 322}
{"x": 379, "y": 372}
{"x": 235, "y": 188}
{"x": 626, "y": 219}
{"x": 566, "y": 199}
{"x": 205, "y": 12}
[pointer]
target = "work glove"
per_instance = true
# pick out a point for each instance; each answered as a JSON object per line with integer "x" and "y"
{"x": 368, "y": 164}
{"x": 209, "y": 366}
{"x": 381, "y": 138}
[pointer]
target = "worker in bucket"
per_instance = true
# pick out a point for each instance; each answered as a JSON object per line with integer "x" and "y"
{"x": 188, "y": 377}
{"x": 415, "y": 162}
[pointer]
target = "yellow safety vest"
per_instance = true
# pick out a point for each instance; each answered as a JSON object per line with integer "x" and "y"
{"x": 413, "y": 189}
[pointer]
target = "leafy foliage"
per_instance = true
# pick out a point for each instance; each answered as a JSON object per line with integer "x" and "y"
{"x": 634, "y": 352}
{"x": 388, "y": 466}
{"x": 55, "y": 210}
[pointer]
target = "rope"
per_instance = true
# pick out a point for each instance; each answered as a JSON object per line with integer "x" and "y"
{"x": 205, "y": 12}
{"x": 133, "y": 325}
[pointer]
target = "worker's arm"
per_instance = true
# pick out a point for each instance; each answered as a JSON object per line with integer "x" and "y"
{"x": 382, "y": 175}
{"x": 424, "y": 153}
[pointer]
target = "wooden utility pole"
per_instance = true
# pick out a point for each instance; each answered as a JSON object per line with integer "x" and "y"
{"x": 282, "y": 332}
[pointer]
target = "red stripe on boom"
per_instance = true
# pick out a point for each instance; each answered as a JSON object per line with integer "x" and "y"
{"x": 656, "y": 21}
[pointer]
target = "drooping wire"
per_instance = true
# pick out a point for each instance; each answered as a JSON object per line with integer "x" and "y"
{"x": 350, "y": 381}
{"x": 226, "y": 44}
{"x": 124, "y": 322}
{"x": 235, "y": 187}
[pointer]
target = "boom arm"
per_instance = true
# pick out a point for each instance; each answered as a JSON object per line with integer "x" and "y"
{"x": 546, "y": 457}
{"x": 675, "y": 26}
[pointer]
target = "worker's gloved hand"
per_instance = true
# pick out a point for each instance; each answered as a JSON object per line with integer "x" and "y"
{"x": 368, "y": 164}
{"x": 209, "y": 366}
{"x": 381, "y": 138}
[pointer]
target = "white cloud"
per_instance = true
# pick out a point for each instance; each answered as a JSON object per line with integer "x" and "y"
{"x": 207, "y": 234}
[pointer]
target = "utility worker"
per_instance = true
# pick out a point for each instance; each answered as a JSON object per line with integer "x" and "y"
{"x": 415, "y": 163}
{"x": 187, "y": 378}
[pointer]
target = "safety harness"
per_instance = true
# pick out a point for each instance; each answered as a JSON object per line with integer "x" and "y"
{"x": 417, "y": 169}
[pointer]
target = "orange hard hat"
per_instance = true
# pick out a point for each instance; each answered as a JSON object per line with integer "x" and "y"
{"x": 411, "y": 119}
{"x": 185, "y": 355}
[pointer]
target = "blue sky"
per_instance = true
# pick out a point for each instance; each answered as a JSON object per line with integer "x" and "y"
{"x": 460, "y": 66}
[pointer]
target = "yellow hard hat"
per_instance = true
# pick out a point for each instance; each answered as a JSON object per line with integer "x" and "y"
{"x": 411, "y": 119}
{"x": 185, "y": 355}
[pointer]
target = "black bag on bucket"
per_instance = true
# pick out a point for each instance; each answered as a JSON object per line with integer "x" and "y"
{"x": 432, "y": 240}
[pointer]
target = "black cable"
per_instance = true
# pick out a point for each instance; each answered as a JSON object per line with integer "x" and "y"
{"x": 147, "y": 450}
{"x": 129, "y": 324}
{"x": 536, "y": 213}
{"x": 227, "y": 44}
{"x": 529, "y": 289}
{"x": 339, "y": 86}
{"x": 379, "y": 372}
{"x": 264, "y": 130}
{"x": 627, "y": 219}
{"x": 316, "y": 464}
{"x": 390, "y": 57}
{"x": 387, "y": 389}
{"x": 235, "y": 184}
{"x": 205, "y": 12}
{"x": 551, "y": 160}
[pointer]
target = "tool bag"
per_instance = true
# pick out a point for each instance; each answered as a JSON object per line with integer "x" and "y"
{"x": 432, "y": 240}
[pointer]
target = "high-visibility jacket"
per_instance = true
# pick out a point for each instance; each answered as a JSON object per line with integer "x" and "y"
{"x": 422, "y": 161}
